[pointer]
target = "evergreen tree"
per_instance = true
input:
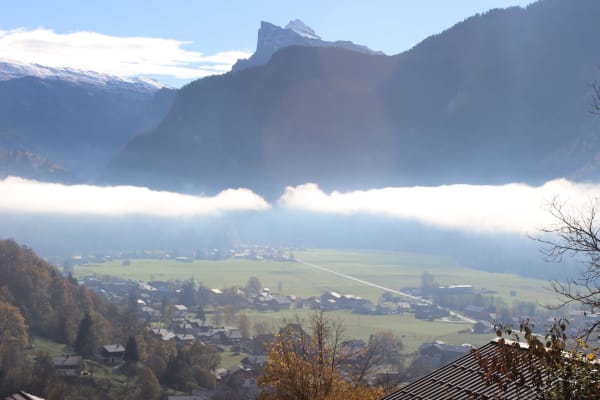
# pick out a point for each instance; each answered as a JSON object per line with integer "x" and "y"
{"x": 86, "y": 341}
{"x": 188, "y": 294}
{"x": 131, "y": 355}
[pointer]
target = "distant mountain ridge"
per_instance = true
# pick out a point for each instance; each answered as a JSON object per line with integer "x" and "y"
{"x": 33, "y": 166}
{"x": 14, "y": 69}
{"x": 272, "y": 38}
{"x": 77, "y": 119}
{"x": 500, "y": 97}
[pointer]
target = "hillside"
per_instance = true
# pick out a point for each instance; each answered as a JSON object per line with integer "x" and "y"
{"x": 76, "y": 119}
{"x": 42, "y": 295}
{"x": 499, "y": 97}
{"x": 31, "y": 165}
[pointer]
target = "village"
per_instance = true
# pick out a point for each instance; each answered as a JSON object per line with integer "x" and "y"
{"x": 184, "y": 313}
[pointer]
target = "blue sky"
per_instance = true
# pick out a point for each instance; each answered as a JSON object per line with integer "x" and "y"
{"x": 206, "y": 37}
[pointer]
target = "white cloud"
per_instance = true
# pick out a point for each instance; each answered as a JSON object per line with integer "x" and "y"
{"x": 22, "y": 195}
{"x": 121, "y": 56}
{"x": 511, "y": 208}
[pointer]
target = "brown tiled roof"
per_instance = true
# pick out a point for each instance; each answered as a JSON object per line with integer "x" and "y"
{"x": 462, "y": 379}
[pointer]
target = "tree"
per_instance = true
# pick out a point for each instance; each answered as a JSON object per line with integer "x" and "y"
{"x": 146, "y": 385}
{"x": 188, "y": 293}
{"x": 131, "y": 355}
{"x": 306, "y": 367}
{"x": 576, "y": 236}
{"x": 253, "y": 284}
{"x": 228, "y": 314}
{"x": 13, "y": 339}
{"x": 244, "y": 325}
{"x": 428, "y": 284}
{"x": 205, "y": 356}
{"x": 557, "y": 365}
{"x": 86, "y": 341}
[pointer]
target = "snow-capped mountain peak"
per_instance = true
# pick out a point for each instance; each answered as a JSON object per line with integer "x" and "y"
{"x": 302, "y": 29}
{"x": 11, "y": 69}
{"x": 272, "y": 38}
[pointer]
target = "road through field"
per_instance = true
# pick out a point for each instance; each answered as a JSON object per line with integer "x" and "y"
{"x": 398, "y": 292}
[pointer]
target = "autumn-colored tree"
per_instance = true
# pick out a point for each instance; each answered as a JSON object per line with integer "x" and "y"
{"x": 305, "y": 367}
{"x": 13, "y": 339}
{"x": 228, "y": 314}
{"x": 159, "y": 352}
{"x": 205, "y": 356}
{"x": 43, "y": 375}
{"x": 244, "y": 325}
{"x": 146, "y": 385}
{"x": 142, "y": 347}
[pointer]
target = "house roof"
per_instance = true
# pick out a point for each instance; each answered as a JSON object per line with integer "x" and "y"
{"x": 114, "y": 348}
{"x": 441, "y": 346}
{"x": 462, "y": 379}
{"x": 67, "y": 361}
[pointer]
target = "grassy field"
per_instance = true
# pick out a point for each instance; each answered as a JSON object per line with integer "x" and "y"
{"x": 400, "y": 270}
{"x": 413, "y": 332}
{"x": 394, "y": 270}
{"x": 48, "y": 346}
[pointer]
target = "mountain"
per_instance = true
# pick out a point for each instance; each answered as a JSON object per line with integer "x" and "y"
{"x": 500, "y": 97}
{"x": 77, "y": 119}
{"x": 33, "y": 166}
{"x": 272, "y": 38}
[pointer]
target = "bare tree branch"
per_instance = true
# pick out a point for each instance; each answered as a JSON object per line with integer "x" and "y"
{"x": 576, "y": 236}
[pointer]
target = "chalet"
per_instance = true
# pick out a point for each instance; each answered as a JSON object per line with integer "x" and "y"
{"x": 184, "y": 339}
{"x": 163, "y": 334}
{"x": 477, "y": 312}
{"x": 312, "y": 303}
{"x": 244, "y": 380}
{"x": 112, "y": 353}
{"x": 428, "y": 311}
{"x": 352, "y": 347}
{"x": 253, "y": 362}
{"x": 455, "y": 290}
{"x": 403, "y": 307}
{"x": 435, "y": 354}
{"x": 150, "y": 314}
{"x": 228, "y": 337}
{"x": 330, "y": 298}
{"x": 179, "y": 310}
{"x": 260, "y": 344}
{"x": 68, "y": 364}
{"x": 281, "y": 303}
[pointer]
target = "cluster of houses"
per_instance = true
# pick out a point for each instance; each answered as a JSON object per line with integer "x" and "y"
{"x": 246, "y": 252}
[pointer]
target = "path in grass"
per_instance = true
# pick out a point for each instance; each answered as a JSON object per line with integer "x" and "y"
{"x": 459, "y": 316}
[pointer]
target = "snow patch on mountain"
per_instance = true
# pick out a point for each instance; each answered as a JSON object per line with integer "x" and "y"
{"x": 302, "y": 29}
{"x": 10, "y": 69}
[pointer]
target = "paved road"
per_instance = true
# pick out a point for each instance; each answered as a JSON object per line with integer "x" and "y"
{"x": 398, "y": 292}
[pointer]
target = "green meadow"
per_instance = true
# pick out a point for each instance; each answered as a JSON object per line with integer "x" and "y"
{"x": 395, "y": 270}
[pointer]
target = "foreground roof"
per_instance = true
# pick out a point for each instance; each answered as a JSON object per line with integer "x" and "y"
{"x": 462, "y": 379}
{"x": 22, "y": 396}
